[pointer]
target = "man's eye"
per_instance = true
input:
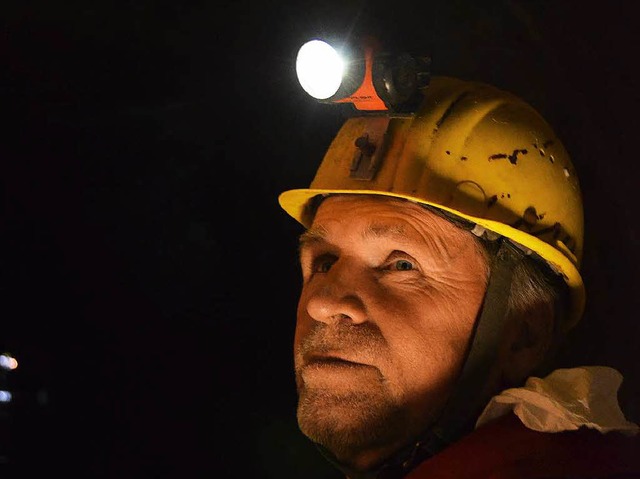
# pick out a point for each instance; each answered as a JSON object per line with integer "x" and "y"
{"x": 402, "y": 265}
{"x": 400, "y": 261}
{"x": 323, "y": 264}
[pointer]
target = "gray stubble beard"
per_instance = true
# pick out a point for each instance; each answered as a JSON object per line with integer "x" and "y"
{"x": 350, "y": 424}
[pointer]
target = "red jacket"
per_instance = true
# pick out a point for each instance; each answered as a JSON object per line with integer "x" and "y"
{"x": 506, "y": 449}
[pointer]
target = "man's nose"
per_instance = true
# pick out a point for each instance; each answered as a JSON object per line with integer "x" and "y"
{"x": 336, "y": 297}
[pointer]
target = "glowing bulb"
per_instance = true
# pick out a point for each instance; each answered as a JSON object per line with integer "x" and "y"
{"x": 320, "y": 68}
{"x": 5, "y": 396}
{"x": 8, "y": 362}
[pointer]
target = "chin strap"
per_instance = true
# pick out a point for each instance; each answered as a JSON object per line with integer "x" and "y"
{"x": 470, "y": 394}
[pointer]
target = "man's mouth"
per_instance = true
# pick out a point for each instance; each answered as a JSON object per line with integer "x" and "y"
{"x": 334, "y": 363}
{"x": 336, "y": 372}
{"x": 328, "y": 360}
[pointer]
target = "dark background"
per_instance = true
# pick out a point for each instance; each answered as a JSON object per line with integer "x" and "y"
{"x": 149, "y": 278}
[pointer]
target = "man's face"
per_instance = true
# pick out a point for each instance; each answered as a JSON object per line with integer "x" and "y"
{"x": 390, "y": 295}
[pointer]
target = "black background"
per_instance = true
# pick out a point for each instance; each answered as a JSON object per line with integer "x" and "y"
{"x": 149, "y": 278}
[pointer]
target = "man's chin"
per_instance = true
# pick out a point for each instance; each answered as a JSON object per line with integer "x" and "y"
{"x": 349, "y": 425}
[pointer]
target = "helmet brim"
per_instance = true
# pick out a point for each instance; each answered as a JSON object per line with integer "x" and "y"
{"x": 295, "y": 201}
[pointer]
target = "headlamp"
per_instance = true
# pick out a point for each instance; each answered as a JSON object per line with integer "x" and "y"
{"x": 362, "y": 75}
{"x": 320, "y": 69}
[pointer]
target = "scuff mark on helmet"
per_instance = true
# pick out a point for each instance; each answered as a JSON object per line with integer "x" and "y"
{"x": 529, "y": 218}
{"x": 541, "y": 149}
{"x": 448, "y": 111}
{"x": 513, "y": 157}
{"x": 558, "y": 233}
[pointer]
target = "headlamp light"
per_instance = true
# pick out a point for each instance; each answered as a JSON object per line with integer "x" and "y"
{"x": 362, "y": 75}
{"x": 320, "y": 69}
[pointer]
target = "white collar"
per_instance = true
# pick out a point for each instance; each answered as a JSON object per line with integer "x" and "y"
{"x": 565, "y": 400}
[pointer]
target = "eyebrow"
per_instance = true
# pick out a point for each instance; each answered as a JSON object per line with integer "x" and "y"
{"x": 317, "y": 234}
{"x": 381, "y": 230}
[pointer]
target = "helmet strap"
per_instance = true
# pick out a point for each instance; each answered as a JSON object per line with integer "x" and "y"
{"x": 470, "y": 395}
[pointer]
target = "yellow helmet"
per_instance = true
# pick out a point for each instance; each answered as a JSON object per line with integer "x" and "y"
{"x": 472, "y": 150}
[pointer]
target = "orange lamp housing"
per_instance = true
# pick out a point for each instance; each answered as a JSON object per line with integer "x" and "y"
{"x": 365, "y": 97}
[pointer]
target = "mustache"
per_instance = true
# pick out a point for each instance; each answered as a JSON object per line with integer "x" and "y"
{"x": 363, "y": 341}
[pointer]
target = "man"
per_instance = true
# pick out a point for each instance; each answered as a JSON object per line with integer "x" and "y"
{"x": 440, "y": 271}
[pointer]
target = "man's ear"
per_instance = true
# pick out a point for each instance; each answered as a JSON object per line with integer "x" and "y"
{"x": 528, "y": 338}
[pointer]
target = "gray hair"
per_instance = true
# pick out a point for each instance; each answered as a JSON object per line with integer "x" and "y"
{"x": 534, "y": 282}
